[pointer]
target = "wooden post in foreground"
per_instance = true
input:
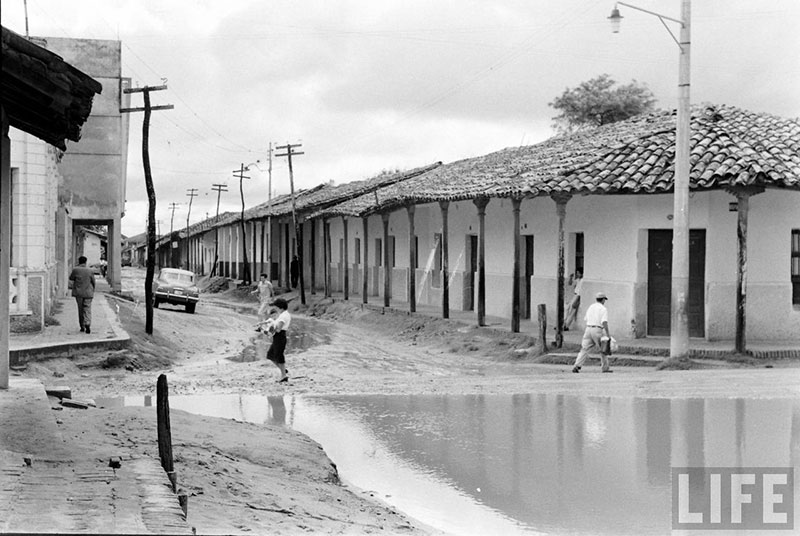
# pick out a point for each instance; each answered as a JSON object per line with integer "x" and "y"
{"x": 542, "y": 340}
{"x": 164, "y": 431}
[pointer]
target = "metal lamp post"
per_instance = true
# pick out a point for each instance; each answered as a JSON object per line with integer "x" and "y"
{"x": 679, "y": 325}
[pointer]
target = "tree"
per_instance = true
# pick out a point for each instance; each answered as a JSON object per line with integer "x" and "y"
{"x": 597, "y": 102}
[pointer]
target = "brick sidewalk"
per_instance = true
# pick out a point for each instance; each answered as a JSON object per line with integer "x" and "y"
{"x": 61, "y": 491}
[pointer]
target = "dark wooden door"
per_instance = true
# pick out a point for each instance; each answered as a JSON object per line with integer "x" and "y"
{"x": 659, "y": 282}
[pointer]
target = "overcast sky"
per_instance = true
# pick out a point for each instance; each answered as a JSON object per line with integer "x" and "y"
{"x": 371, "y": 85}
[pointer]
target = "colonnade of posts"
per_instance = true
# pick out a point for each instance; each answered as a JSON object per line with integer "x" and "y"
{"x": 197, "y": 260}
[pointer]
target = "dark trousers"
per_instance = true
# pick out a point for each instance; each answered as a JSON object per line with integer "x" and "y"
{"x": 84, "y": 311}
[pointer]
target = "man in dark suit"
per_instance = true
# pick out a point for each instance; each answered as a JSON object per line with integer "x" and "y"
{"x": 82, "y": 280}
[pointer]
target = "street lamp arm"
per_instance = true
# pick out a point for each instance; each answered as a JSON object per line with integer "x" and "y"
{"x": 659, "y": 15}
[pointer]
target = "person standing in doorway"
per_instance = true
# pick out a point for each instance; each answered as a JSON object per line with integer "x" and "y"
{"x": 278, "y": 328}
{"x": 82, "y": 281}
{"x": 294, "y": 270}
{"x": 265, "y": 292}
{"x": 596, "y": 325}
{"x": 575, "y": 302}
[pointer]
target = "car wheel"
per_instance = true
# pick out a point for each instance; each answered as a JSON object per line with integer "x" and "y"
{"x": 190, "y": 308}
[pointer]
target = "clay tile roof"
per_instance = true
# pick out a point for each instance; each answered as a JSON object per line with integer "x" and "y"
{"x": 730, "y": 147}
{"x": 41, "y": 93}
{"x": 326, "y": 195}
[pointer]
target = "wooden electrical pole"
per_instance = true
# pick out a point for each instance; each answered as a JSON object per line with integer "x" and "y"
{"x": 172, "y": 207}
{"x": 297, "y": 236}
{"x": 269, "y": 217}
{"x": 191, "y": 193}
{"x": 219, "y": 188}
{"x": 151, "y": 195}
{"x": 239, "y": 174}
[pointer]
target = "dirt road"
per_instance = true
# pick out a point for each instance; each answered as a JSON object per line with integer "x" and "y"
{"x": 264, "y": 478}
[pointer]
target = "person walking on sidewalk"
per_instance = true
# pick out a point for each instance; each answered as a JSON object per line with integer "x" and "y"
{"x": 82, "y": 282}
{"x": 265, "y": 292}
{"x": 596, "y": 325}
{"x": 278, "y": 328}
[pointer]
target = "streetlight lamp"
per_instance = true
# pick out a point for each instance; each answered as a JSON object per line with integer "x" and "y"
{"x": 679, "y": 326}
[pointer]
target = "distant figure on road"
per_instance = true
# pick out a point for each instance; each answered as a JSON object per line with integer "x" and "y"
{"x": 596, "y": 324}
{"x": 265, "y": 292}
{"x": 575, "y": 300}
{"x": 82, "y": 282}
{"x": 277, "y": 328}
{"x": 294, "y": 271}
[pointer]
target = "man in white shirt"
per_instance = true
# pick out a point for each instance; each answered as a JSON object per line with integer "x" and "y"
{"x": 596, "y": 325}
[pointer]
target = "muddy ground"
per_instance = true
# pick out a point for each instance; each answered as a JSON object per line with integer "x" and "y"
{"x": 245, "y": 478}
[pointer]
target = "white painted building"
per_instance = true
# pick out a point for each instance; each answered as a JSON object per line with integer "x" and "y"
{"x": 34, "y": 210}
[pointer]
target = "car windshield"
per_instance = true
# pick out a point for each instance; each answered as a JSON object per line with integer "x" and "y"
{"x": 177, "y": 277}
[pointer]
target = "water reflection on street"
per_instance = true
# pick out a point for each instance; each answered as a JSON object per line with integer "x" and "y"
{"x": 495, "y": 464}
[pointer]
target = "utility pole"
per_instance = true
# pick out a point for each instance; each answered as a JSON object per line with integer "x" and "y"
{"x": 219, "y": 188}
{"x": 172, "y": 207}
{"x": 151, "y": 195}
{"x": 299, "y": 249}
{"x": 269, "y": 216}
{"x": 191, "y": 193}
{"x": 239, "y": 174}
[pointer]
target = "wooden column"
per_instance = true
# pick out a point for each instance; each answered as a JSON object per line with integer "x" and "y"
{"x": 515, "y": 298}
{"x": 313, "y": 256}
{"x": 561, "y": 210}
{"x": 345, "y": 261}
{"x": 287, "y": 239}
{"x": 301, "y": 270}
{"x": 444, "y": 206}
{"x": 5, "y": 251}
{"x": 743, "y": 207}
{"x": 481, "y": 203}
{"x": 326, "y": 269}
{"x": 387, "y": 270}
{"x": 412, "y": 256}
{"x": 365, "y": 261}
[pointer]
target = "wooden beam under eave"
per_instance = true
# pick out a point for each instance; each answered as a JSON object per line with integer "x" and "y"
{"x": 561, "y": 200}
{"x": 365, "y": 261}
{"x": 444, "y": 206}
{"x": 743, "y": 195}
{"x": 412, "y": 256}
{"x": 481, "y": 203}
{"x": 345, "y": 260}
{"x": 515, "y": 282}
{"x": 387, "y": 270}
{"x": 326, "y": 254}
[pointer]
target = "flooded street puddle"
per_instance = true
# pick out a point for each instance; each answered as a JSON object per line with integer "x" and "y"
{"x": 524, "y": 464}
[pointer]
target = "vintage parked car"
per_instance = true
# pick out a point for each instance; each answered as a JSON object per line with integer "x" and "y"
{"x": 176, "y": 287}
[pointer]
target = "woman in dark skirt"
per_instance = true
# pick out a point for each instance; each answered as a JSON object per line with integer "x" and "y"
{"x": 278, "y": 328}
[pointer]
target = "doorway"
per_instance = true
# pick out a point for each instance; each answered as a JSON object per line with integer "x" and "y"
{"x": 659, "y": 282}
